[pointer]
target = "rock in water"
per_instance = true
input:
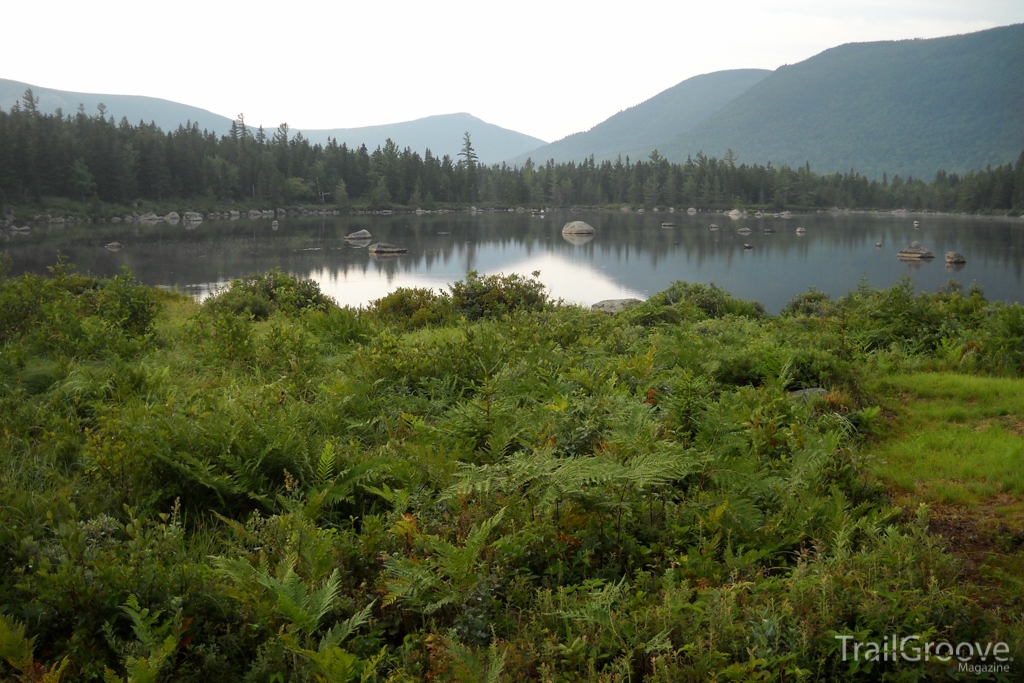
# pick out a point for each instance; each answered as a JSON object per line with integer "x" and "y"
{"x": 914, "y": 252}
{"x": 359, "y": 235}
{"x": 615, "y": 305}
{"x": 577, "y": 228}
{"x": 954, "y": 257}
{"x": 385, "y": 248}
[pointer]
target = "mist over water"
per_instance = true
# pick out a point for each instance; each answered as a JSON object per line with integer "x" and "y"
{"x": 630, "y": 255}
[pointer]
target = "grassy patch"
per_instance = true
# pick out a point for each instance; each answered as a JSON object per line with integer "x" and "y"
{"x": 959, "y": 440}
{"x": 957, "y": 444}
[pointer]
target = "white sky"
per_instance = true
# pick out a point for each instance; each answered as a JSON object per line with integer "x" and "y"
{"x": 547, "y": 68}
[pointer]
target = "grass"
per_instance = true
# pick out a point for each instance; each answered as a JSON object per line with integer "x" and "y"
{"x": 956, "y": 443}
{"x": 958, "y": 440}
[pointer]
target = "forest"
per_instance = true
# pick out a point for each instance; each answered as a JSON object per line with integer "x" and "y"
{"x": 483, "y": 484}
{"x": 103, "y": 165}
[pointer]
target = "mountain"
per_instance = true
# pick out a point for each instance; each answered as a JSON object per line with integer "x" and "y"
{"x": 441, "y": 134}
{"x": 907, "y": 107}
{"x": 166, "y": 114}
{"x": 665, "y": 115}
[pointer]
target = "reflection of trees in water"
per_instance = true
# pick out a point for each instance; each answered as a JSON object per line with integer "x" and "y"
{"x": 217, "y": 251}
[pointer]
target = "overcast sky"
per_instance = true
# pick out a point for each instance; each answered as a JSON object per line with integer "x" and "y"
{"x": 543, "y": 67}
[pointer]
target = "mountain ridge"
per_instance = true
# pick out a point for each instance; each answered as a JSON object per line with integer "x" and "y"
{"x": 908, "y": 107}
{"x": 677, "y": 108}
{"x": 441, "y": 133}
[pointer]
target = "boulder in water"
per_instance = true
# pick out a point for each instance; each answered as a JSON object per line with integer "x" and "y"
{"x": 955, "y": 257}
{"x": 914, "y": 252}
{"x": 359, "y": 235}
{"x": 577, "y": 228}
{"x": 385, "y": 248}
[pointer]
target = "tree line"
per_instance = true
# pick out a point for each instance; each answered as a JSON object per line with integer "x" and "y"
{"x": 95, "y": 159}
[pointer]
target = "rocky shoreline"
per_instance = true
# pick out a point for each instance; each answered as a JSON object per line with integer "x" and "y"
{"x": 7, "y": 222}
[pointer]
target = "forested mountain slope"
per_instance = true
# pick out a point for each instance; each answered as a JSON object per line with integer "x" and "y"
{"x": 909, "y": 107}
{"x": 665, "y": 115}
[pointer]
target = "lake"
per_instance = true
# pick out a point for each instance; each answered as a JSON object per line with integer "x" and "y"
{"x": 631, "y": 255}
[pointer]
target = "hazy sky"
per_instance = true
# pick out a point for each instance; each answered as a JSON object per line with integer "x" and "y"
{"x": 543, "y": 67}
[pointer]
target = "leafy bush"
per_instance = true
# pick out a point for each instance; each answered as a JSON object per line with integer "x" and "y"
{"x": 692, "y": 301}
{"x": 411, "y": 308}
{"x": 262, "y": 294}
{"x": 492, "y": 296}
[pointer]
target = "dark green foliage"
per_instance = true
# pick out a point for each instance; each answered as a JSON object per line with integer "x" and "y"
{"x": 455, "y": 487}
{"x": 692, "y": 302}
{"x": 492, "y": 296}
{"x": 96, "y": 167}
{"x": 71, "y": 315}
{"x": 411, "y": 308}
{"x": 261, "y": 294}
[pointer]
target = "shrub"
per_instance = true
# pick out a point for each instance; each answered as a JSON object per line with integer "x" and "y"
{"x": 493, "y": 296}
{"x": 262, "y": 294}
{"x": 411, "y": 307}
{"x": 693, "y": 301}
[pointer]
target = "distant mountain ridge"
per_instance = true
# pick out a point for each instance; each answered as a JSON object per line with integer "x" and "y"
{"x": 442, "y": 134}
{"x": 164, "y": 113}
{"x": 908, "y": 107}
{"x": 653, "y": 121}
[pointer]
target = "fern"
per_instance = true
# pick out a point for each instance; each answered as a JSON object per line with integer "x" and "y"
{"x": 449, "y": 574}
{"x": 293, "y": 599}
{"x": 155, "y": 645}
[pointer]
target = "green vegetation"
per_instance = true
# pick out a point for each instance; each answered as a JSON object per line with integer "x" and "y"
{"x": 956, "y": 446}
{"x": 474, "y": 485}
{"x": 92, "y": 166}
{"x": 961, "y": 439}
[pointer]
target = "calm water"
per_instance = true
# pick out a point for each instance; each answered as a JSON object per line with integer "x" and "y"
{"x": 630, "y": 256}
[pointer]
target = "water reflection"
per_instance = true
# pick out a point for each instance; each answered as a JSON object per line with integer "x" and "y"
{"x": 630, "y": 255}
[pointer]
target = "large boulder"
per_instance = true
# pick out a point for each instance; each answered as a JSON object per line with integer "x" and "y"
{"x": 577, "y": 228}
{"x": 914, "y": 252}
{"x": 359, "y": 235}
{"x": 192, "y": 217}
{"x": 955, "y": 257}
{"x": 615, "y": 305}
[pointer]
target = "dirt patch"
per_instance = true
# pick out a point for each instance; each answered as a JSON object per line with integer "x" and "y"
{"x": 976, "y": 530}
{"x": 1017, "y": 429}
